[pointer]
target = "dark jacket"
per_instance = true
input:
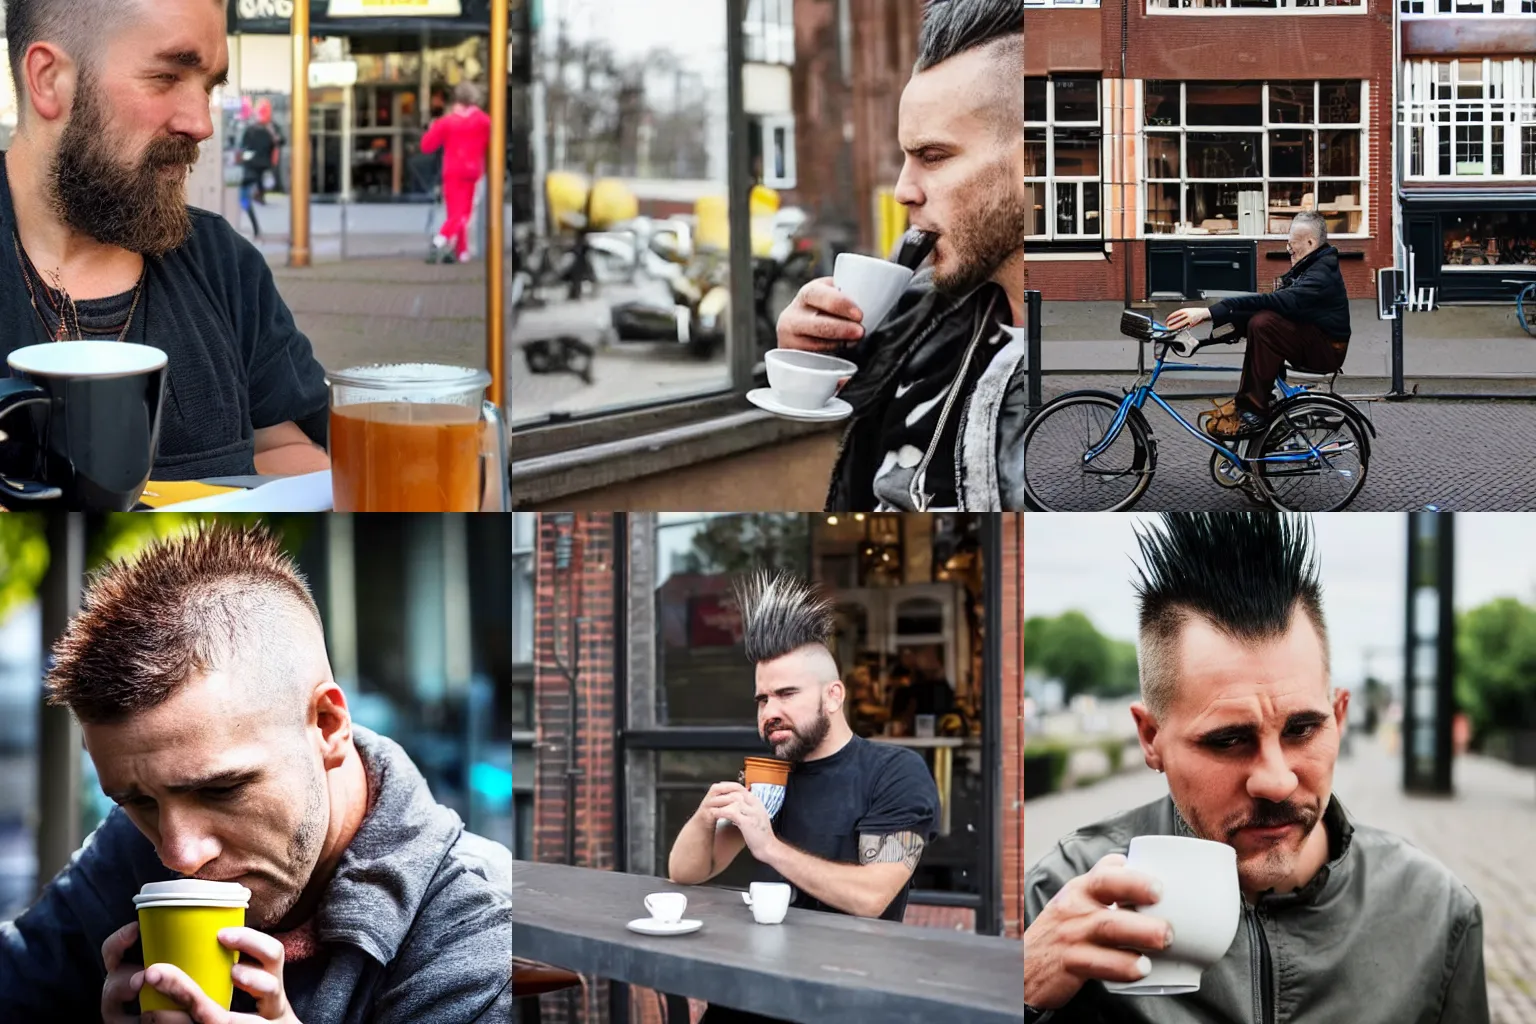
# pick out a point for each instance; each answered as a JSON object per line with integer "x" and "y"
{"x": 989, "y": 450}
{"x": 415, "y": 925}
{"x": 1312, "y": 293}
{"x": 1382, "y": 933}
{"x": 237, "y": 361}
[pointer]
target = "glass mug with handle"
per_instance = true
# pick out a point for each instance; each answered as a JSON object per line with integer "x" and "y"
{"x": 416, "y": 437}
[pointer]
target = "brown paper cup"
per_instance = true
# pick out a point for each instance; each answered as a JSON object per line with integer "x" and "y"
{"x": 766, "y": 769}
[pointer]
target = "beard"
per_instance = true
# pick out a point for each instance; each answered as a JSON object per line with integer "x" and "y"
{"x": 1273, "y": 862}
{"x": 137, "y": 206}
{"x": 302, "y": 856}
{"x": 801, "y": 741}
{"x": 985, "y": 235}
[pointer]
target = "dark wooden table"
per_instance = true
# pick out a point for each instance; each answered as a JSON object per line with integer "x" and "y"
{"x": 815, "y": 967}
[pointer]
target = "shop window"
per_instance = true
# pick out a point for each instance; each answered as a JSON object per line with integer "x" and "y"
{"x": 1243, "y": 158}
{"x": 1489, "y": 239}
{"x": 909, "y": 594}
{"x": 1258, "y": 6}
{"x": 770, "y": 31}
{"x": 1469, "y": 118}
{"x": 1475, "y": 7}
{"x": 1063, "y": 143}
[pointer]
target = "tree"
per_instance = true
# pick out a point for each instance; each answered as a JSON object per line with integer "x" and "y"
{"x": 755, "y": 540}
{"x": 1069, "y": 648}
{"x": 1496, "y": 666}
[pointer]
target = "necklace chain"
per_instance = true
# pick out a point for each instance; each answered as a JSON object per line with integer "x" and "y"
{"x": 65, "y": 298}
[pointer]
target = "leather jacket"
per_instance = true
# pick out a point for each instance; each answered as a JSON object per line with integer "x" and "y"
{"x": 989, "y": 450}
{"x": 1383, "y": 934}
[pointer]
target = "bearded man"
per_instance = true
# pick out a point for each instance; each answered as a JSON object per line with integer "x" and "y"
{"x": 856, "y": 814}
{"x": 114, "y": 102}
{"x": 939, "y": 403}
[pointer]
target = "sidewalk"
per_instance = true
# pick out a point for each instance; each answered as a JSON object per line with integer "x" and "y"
{"x": 1482, "y": 835}
{"x": 1483, "y": 343}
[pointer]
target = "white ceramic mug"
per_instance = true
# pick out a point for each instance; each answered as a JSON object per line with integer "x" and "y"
{"x": 769, "y": 901}
{"x": 1200, "y": 899}
{"x": 666, "y": 907}
{"x": 873, "y": 284}
{"x": 805, "y": 380}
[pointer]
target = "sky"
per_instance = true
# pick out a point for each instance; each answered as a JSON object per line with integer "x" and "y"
{"x": 689, "y": 27}
{"x": 1084, "y": 562}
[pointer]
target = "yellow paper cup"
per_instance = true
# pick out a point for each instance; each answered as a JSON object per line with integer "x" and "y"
{"x": 179, "y": 923}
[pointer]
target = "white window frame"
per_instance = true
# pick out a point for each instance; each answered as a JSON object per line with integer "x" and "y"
{"x": 1183, "y": 129}
{"x": 768, "y": 32}
{"x": 1434, "y": 110}
{"x": 1467, "y": 8}
{"x": 1051, "y": 181}
{"x": 1061, "y": 3}
{"x": 1287, "y": 8}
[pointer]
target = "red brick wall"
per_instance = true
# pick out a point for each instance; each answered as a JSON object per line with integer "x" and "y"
{"x": 1013, "y": 724}
{"x": 1195, "y": 47}
{"x": 562, "y": 594}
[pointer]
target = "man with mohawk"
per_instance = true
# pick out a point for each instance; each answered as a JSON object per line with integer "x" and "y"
{"x": 856, "y": 814}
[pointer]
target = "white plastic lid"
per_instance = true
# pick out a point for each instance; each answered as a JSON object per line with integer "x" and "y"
{"x": 193, "y": 892}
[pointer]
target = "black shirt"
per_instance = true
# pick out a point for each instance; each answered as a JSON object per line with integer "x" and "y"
{"x": 864, "y": 789}
{"x": 259, "y": 141}
{"x": 237, "y": 361}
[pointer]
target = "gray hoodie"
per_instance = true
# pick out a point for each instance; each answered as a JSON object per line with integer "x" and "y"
{"x": 416, "y": 924}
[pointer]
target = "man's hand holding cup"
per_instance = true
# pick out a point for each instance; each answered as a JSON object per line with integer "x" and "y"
{"x": 719, "y": 798}
{"x": 821, "y": 319}
{"x": 263, "y": 979}
{"x": 1080, "y": 935}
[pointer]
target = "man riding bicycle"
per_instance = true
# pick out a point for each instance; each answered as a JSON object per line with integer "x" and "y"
{"x": 1304, "y": 322}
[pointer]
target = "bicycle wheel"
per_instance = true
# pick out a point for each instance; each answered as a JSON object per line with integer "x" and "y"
{"x": 1313, "y": 457}
{"x": 1056, "y": 479}
{"x": 1527, "y": 297}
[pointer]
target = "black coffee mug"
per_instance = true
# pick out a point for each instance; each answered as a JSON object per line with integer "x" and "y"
{"x": 92, "y": 425}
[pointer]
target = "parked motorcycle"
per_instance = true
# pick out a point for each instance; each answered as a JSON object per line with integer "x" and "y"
{"x": 700, "y": 290}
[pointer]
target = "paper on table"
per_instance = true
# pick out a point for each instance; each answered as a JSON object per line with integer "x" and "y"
{"x": 308, "y": 493}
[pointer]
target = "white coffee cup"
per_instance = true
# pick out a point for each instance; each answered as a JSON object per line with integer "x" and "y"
{"x": 769, "y": 901}
{"x": 1202, "y": 902}
{"x": 873, "y": 284}
{"x": 666, "y": 907}
{"x": 805, "y": 380}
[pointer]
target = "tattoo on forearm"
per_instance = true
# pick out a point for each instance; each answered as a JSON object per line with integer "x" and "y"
{"x": 904, "y": 848}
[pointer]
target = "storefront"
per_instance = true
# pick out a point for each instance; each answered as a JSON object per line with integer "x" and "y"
{"x": 1471, "y": 244}
{"x": 918, "y": 627}
{"x": 406, "y": 68}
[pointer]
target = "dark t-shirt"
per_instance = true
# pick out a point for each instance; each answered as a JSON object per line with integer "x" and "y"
{"x": 259, "y": 141}
{"x": 864, "y": 789}
{"x": 237, "y": 362}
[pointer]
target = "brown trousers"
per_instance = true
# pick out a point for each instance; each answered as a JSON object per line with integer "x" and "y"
{"x": 1274, "y": 341}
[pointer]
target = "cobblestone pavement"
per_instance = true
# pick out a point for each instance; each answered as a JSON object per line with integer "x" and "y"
{"x": 1460, "y": 455}
{"x": 1483, "y": 834}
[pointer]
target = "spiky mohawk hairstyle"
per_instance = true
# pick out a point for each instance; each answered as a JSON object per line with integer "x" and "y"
{"x": 1246, "y": 573}
{"x": 782, "y": 612}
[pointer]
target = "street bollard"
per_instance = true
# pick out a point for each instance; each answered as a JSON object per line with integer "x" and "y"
{"x": 1032, "y": 340}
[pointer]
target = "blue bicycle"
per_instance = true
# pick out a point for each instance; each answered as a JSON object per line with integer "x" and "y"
{"x": 1093, "y": 451}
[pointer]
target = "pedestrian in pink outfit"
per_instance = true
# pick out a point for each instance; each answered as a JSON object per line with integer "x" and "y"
{"x": 464, "y": 136}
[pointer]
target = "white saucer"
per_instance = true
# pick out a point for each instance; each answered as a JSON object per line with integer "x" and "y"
{"x": 651, "y": 926}
{"x": 834, "y": 410}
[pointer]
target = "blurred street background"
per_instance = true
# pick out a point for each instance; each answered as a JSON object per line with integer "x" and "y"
{"x": 417, "y": 614}
{"x": 1441, "y": 745}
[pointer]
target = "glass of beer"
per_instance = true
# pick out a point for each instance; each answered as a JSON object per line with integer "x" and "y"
{"x": 416, "y": 437}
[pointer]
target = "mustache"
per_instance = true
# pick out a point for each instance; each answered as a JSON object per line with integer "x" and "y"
{"x": 774, "y": 724}
{"x": 1269, "y": 814}
{"x": 171, "y": 151}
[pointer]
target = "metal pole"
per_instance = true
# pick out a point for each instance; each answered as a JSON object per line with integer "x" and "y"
{"x": 298, "y": 171}
{"x": 496, "y": 203}
{"x": 744, "y": 340}
{"x": 1398, "y": 309}
{"x": 1032, "y": 339}
{"x": 59, "y": 742}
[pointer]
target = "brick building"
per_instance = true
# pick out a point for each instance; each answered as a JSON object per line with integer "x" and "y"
{"x": 632, "y": 694}
{"x": 1169, "y": 143}
{"x": 1468, "y": 145}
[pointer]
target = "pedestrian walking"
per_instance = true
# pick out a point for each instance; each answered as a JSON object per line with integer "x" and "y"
{"x": 464, "y": 136}
{"x": 258, "y": 155}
